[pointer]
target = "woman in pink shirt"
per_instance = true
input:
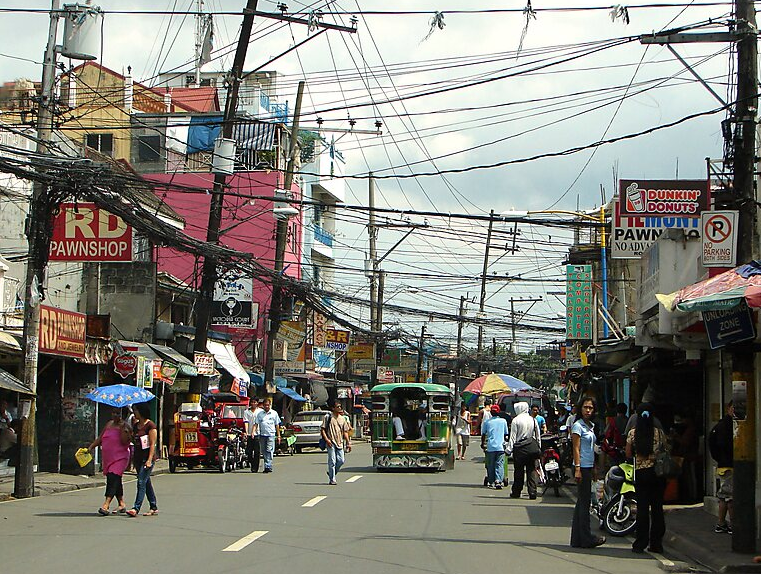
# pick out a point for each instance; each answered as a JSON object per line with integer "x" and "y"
{"x": 114, "y": 442}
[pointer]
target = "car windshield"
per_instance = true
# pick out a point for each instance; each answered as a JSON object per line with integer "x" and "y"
{"x": 309, "y": 417}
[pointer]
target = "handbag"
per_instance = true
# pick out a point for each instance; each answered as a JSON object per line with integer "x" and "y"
{"x": 322, "y": 443}
{"x": 527, "y": 447}
{"x": 665, "y": 465}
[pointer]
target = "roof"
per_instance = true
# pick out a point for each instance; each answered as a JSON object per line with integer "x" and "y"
{"x": 427, "y": 387}
{"x": 11, "y": 383}
{"x": 202, "y": 99}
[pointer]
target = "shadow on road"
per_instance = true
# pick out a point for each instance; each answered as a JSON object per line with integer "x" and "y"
{"x": 70, "y": 515}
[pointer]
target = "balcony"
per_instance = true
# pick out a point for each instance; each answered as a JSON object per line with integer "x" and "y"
{"x": 323, "y": 242}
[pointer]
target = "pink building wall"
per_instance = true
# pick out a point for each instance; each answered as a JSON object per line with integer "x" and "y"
{"x": 254, "y": 231}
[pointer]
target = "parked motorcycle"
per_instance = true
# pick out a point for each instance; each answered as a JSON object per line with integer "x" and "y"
{"x": 549, "y": 463}
{"x": 617, "y": 510}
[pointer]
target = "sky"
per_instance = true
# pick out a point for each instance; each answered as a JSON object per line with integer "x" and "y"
{"x": 490, "y": 88}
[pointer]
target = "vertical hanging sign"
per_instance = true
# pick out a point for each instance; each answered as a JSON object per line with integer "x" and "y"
{"x": 578, "y": 302}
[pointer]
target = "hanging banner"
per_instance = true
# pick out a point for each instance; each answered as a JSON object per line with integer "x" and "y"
{"x": 62, "y": 332}
{"x": 233, "y": 303}
{"x": 83, "y": 232}
{"x": 204, "y": 362}
{"x": 320, "y": 324}
{"x": 361, "y": 351}
{"x": 579, "y": 302}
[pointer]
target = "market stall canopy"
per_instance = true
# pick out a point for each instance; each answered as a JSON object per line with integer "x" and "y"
{"x": 724, "y": 291}
{"x": 187, "y": 367}
{"x": 11, "y": 383}
{"x": 496, "y": 383}
{"x": 8, "y": 341}
{"x": 224, "y": 354}
{"x": 140, "y": 350}
{"x": 257, "y": 379}
{"x": 288, "y": 392}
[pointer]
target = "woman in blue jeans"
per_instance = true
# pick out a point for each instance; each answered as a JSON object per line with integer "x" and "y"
{"x": 145, "y": 456}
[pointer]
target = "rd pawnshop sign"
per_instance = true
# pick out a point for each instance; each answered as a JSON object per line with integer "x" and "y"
{"x": 83, "y": 232}
{"x": 62, "y": 332}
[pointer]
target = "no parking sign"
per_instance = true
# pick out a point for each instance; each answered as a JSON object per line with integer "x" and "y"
{"x": 719, "y": 233}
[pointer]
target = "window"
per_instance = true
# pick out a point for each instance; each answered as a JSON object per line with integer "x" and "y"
{"x": 149, "y": 148}
{"x": 104, "y": 143}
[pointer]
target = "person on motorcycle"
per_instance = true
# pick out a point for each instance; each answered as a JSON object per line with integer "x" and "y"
{"x": 646, "y": 440}
{"x": 525, "y": 446}
{"x": 583, "y": 436}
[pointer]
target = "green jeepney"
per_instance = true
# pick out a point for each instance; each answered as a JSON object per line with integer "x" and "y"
{"x": 411, "y": 426}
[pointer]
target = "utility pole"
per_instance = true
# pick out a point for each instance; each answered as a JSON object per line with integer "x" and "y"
{"x": 460, "y": 322}
{"x": 483, "y": 285}
{"x": 209, "y": 272}
{"x": 743, "y": 358}
{"x": 37, "y": 229}
{"x": 199, "y": 41}
{"x": 381, "y": 286}
{"x": 420, "y": 354}
{"x": 372, "y": 231}
{"x": 513, "y": 322}
{"x": 281, "y": 235}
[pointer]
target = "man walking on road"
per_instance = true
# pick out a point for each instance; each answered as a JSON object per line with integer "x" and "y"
{"x": 525, "y": 447}
{"x": 493, "y": 434}
{"x": 253, "y": 448}
{"x": 721, "y": 445}
{"x": 335, "y": 431}
{"x": 268, "y": 426}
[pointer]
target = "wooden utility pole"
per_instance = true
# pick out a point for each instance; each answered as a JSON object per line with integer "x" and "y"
{"x": 513, "y": 322}
{"x": 460, "y": 322}
{"x": 482, "y": 301}
{"x": 743, "y": 359}
{"x": 372, "y": 232}
{"x": 420, "y": 354}
{"x": 37, "y": 229}
{"x": 281, "y": 237}
{"x": 210, "y": 262}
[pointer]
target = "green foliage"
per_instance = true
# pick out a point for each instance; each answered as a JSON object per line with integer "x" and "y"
{"x": 307, "y": 146}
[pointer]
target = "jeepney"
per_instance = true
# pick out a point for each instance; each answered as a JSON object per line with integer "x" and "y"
{"x": 411, "y": 426}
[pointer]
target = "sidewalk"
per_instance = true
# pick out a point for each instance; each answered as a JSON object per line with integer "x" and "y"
{"x": 51, "y": 482}
{"x": 690, "y": 532}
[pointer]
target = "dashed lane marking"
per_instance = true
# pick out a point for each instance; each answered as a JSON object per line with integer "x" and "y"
{"x": 354, "y": 478}
{"x": 314, "y": 502}
{"x": 245, "y": 541}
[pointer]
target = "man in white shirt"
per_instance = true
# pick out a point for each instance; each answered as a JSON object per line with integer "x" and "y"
{"x": 253, "y": 448}
{"x": 268, "y": 426}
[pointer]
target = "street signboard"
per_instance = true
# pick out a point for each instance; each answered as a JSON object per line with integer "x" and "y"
{"x": 578, "y": 302}
{"x": 719, "y": 231}
{"x": 727, "y": 326}
{"x": 62, "y": 332}
{"x": 336, "y": 339}
{"x": 385, "y": 375}
{"x": 82, "y": 232}
{"x": 233, "y": 302}
{"x": 361, "y": 351}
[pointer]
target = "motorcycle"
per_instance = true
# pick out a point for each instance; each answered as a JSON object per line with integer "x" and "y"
{"x": 617, "y": 510}
{"x": 549, "y": 464}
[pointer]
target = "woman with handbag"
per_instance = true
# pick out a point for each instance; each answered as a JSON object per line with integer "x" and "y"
{"x": 583, "y": 440}
{"x": 647, "y": 442}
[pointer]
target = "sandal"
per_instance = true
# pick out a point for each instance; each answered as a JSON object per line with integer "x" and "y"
{"x": 132, "y": 513}
{"x": 103, "y": 512}
{"x": 152, "y": 512}
{"x": 120, "y": 510}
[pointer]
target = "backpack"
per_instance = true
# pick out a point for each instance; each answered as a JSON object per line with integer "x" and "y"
{"x": 717, "y": 442}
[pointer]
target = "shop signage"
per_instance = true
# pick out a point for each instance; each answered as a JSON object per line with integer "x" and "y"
{"x": 361, "y": 351}
{"x": 320, "y": 324}
{"x": 233, "y": 302}
{"x": 62, "y": 332}
{"x": 204, "y": 362}
{"x": 169, "y": 372}
{"x": 125, "y": 365}
{"x": 579, "y": 302}
{"x": 84, "y": 232}
{"x": 719, "y": 231}
{"x": 385, "y": 375}
{"x": 286, "y": 367}
{"x": 336, "y": 339}
{"x": 727, "y": 326}
{"x": 646, "y": 208}
{"x": 391, "y": 358}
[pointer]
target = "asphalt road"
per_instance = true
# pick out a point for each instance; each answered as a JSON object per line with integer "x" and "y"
{"x": 292, "y": 521}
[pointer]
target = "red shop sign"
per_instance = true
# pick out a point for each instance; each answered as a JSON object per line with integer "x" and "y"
{"x": 125, "y": 365}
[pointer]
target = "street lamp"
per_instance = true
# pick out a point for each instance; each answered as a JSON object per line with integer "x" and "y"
{"x": 603, "y": 247}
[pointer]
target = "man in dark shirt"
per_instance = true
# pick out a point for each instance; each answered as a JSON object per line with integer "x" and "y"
{"x": 721, "y": 445}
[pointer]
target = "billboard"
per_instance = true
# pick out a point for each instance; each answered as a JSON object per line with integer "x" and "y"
{"x": 579, "y": 302}
{"x": 645, "y": 208}
{"x": 62, "y": 332}
{"x": 82, "y": 232}
{"x": 233, "y": 303}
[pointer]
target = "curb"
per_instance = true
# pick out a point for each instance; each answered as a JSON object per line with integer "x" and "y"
{"x": 705, "y": 557}
{"x": 5, "y": 497}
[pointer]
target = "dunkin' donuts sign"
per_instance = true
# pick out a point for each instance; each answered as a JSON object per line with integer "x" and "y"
{"x": 645, "y": 208}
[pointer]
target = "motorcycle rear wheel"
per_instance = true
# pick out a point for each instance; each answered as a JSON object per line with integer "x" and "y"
{"x": 623, "y": 523}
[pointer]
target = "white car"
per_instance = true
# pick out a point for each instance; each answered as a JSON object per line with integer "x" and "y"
{"x": 306, "y": 428}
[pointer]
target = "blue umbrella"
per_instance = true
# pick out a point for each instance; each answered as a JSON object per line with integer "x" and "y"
{"x": 120, "y": 395}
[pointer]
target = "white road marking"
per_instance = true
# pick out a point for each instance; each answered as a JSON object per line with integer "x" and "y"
{"x": 354, "y": 478}
{"x": 314, "y": 502}
{"x": 245, "y": 541}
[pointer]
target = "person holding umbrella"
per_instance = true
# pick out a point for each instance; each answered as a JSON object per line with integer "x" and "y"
{"x": 114, "y": 441}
